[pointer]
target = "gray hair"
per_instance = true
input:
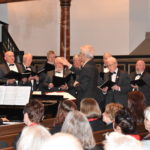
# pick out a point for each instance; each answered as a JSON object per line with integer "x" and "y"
{"x": 147, "y": 113}
{"x": 77, "y": 124}
{"x": 87, "y": 50}
{"x": 118, "y": 141}
{"x": 33, "y": 137}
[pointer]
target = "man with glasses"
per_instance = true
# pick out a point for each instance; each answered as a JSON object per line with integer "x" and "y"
{"x": 118, "y": 92}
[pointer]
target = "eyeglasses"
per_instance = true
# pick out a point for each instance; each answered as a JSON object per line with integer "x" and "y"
{"x": 110, "y": 65}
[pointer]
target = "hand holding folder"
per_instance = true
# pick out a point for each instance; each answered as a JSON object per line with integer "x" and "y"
{"x": 138, "y": 82}
{"x": 107, "y": 83}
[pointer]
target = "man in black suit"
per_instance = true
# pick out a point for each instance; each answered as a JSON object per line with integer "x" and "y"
{"x": 140, "y": 73}
{"x": 8, "y": 66}
{"x": 86, "y": 85}
{"x": 118, "y": 92}
{"x": 33, "y": 79}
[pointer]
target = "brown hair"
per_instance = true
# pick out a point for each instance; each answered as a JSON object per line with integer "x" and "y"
{"x": 63, "y": 109}
{"x": 111, "y": 109}
{"x": 136, "y": 104}
{"x": 90, "y": 108}
{"x": 35, "y": 110}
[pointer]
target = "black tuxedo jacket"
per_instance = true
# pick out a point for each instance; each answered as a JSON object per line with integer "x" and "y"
{"x": 122, "y": 80}
{"x": 4, "y": 69}
{"x": 88, "y": 79}
{"x": 145, "y": 88}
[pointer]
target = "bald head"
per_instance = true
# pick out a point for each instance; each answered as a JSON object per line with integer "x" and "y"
{"x": 9, "y": 57}
{"x": 140, "y": 66}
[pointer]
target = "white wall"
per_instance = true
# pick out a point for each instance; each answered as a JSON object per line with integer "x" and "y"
{"x": 108, "y": 25}
{"x": 138, "y": 22}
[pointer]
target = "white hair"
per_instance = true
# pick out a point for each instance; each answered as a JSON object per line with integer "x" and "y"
{"x": 87, "y": 50}
{"x": 147, "y": 113}
{"x": 33, "y": 137}
{"x": 118, "y": 141}
{"x": 62, "y": 141}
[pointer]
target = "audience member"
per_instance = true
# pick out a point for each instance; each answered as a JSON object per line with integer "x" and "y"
{"x": 118, "y": 92}
{"x": 33, "y": 138}
{"x": 8, "y": 66}
{"x": 63, "y": 141}
{"x": 118, "y": 141}
{"x": 125, "y": 123}
{"x": 147, "y": 122}
{"x": 136, "y": 104}
{"x": 90, "y": 108}
{"x": 141, "y": 73}
{"x": 77, "y": 124}
{"x": 63, "y": 109}
{"x": 110, "y": 112}
{"x": 33, "y": 113}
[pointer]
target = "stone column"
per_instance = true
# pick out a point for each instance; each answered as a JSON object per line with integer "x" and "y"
{"x": 65, "y": 28}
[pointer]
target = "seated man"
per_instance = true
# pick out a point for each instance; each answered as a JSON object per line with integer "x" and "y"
{"x": 8, "y": 66}
{"x": 58, "y": 79}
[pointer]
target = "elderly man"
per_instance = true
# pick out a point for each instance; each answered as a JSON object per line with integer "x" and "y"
{"x": 86, "y": 85}
{"x": 33, "y": 80}
{"x": 140, "y": 73}
{"x": 8, "y": 66}
{"x": 118, "y": 92}
{"x": 58, "y": 79}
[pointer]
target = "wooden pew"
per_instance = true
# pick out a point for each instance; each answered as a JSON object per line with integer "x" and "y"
{"x": 8, "y": 148}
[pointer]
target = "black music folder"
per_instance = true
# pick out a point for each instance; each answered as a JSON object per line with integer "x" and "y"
{"x": 107, "y": 83}
{"x": 17, "y": 75}
{"x": 49, "y": 67}
{"x": 138, "y": 82}
{"x": 58, "y": 81}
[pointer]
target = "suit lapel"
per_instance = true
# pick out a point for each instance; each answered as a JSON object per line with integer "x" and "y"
{"x": 117, "y": 76}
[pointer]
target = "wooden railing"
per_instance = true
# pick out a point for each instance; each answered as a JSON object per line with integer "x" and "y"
{"x": 9, "y": 44}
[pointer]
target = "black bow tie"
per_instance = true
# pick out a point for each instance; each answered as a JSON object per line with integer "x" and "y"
{"x": 11, "y": 64}
{"x": 138, "y": 74}
{"x": 111, "y": 73}
{"x": 28, "y": 67}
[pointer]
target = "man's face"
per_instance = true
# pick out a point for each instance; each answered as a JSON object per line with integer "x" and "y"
{"x": 77, "y": 62}
{"x": 140, "y": 66}
{"x": 51, "y": 58}
{"x": 147, "y": 124}
{"x": 9, "y": 57}
{"x": 111, "y": 66}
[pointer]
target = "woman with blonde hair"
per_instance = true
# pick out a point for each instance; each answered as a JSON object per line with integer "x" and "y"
{"x": 91, "y": 109}
{"x": 109, "y": 115}
{"x": 77, "y": 124}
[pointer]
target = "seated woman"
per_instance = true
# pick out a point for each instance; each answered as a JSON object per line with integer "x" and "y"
{"x": 136, "y": 104}
{"x": 77, "y": 124}
{"x": 33, "y": 113}
{"x": 33, "y": 138}
{"x": 109, "y": 114}
{"x": 125, "y": 123}
{"x": 58, "y": 79}
{"x": 91, "y": 109}
{"x": 147, "y": 122}
{"x": 63, "y": 109}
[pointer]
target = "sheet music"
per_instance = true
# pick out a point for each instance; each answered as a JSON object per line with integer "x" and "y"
{"x": 14, "y": 95}
{"x": 64, "y": 94}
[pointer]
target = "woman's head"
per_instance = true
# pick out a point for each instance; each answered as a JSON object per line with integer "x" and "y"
{"x": 90, "y": 108}
{"x": 136, "y": 104}
{"x": 110, "y": 112}
{"x": 147, "y": 118}
{"x": 124, "y": 122}
{"x": 77, "y": 124}
{"x": 33, "y": 112}
{"x": 63, "y": 109}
